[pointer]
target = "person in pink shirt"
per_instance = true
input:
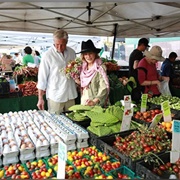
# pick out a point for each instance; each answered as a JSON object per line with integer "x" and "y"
{"x": 151, "y": 79}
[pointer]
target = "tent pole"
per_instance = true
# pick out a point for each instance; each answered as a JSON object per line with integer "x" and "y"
{"x": 114, "y": 40}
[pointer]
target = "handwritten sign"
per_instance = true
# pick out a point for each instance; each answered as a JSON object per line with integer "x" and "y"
{"x": 176, "y": 126}
{"x": 156, "y": 120}
{"x": 175, "y": 151}
{"x": 127, "y": 101}
{"x": 62, "y": 157}
{"x": 144, "y": 102}
{"x": 126, "y": 121}
{"x": 166, "y": 111}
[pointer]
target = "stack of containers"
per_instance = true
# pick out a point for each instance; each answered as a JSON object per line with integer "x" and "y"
{"x": 81, "y": 134}
{"x": 40, "y": 141}
{"x": 8, "y": 142}
{"x": 68, "y": 137}
{"x": 51, "y": 135}
{"x": 24, "y": 142}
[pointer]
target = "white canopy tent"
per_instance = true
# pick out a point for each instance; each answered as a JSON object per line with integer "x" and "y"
{"x": 123, "y": 19}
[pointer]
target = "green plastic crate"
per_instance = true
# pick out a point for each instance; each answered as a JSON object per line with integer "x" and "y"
{"x": 123, "y": 170}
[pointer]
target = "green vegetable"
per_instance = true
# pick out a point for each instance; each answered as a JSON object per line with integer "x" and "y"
{"x": 77, "y": 116}
{"x": 79, "y": 107}
{"x": 102, "y": 117}
{"x": 116, "y": 127}
{"x": 100, "y": 130}
{"x": 98, "y": 109}
{"x": 115, "y": 111}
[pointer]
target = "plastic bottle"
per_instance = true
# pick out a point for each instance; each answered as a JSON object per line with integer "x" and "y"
{"x": 12, "y": 85}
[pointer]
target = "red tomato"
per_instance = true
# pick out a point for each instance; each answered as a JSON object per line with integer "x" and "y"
{"x": 147, "y": 149}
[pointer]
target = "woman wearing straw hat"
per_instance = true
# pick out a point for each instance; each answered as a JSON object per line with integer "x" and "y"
{"x": 152, "y": 79}
{"x": 93, "y": 78}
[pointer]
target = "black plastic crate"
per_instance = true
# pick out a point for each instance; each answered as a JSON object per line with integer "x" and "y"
{"x": 105, "y": 144}
{"x": 154, "y": 106}
{"x": 144, "y": 169}
{"x": 176, "y": 114}
{"x": 141, "y": 121}
{"x": 4, "y": 88}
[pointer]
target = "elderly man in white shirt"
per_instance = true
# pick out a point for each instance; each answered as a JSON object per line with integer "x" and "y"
{"x": 60, "y": 91}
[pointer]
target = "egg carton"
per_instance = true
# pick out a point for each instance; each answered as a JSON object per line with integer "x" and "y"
{"x": 37, "y": 121}
{"x": 11, "y": 154}
{"x": 64, "y": 119}
{"x": 24, "y": 151}
{"x": 42, "y": 153}
{"x": 79, "y": 131}
{"x": 82, "y": 144}
{"x": 8, "y": 143}
{"x": 71, "y": 147}
{"x": 40, "y": 145}
{"x": 10, "y": 160}
{"x": 64, "y": 132}
{"x": 82, "y": 140}
{"x": 54, "y": 148}
{"x": 27, "y": 157}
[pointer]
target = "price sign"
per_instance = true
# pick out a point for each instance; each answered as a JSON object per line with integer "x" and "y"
{"x": 166, "y": 111}
{"x": 62, "y": 157}
{"x": 156, "y": 120}
{"x": 126, "y": 121}
{"x": 144, "y": 102}
{"x": 175, "y": 151}
{"x": 176, "y": 126}
{"x": 127, "y": 101}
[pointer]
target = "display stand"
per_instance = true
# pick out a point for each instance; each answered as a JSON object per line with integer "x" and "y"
{"x": 19, "y": 104}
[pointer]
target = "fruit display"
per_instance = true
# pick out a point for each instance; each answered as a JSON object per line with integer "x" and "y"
{"x": 146, "y": 116}
{"x": 15, "y": 171}
{"x": 158, "y": 167}
{"x": 167, "y": 126}
{"x": 139, "y": 143}
{"x": 173, "y": 101}
{"x": 111, "y": 64}
{"x": 53, "y": 162}
{"x": 28, "y": 88}
{"x": 39, "y": 169}
{"x": 171, "y": 168}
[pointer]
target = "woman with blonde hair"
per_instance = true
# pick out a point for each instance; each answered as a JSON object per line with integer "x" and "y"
{"x": 93, "y": 78}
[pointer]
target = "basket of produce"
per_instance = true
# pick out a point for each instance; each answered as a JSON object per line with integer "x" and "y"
{"x": 25, "y": 73}
{"x": 145, "y": 117}
{"x": 131, "y": 146}
{"x": 158, "y": 167}
{"x": 156, "y": 102}
{"x": 111, "y": 65}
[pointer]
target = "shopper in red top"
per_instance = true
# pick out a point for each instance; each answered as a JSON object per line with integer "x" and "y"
{"x": 152, "y": 79}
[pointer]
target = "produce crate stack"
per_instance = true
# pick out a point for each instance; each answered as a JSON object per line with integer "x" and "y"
{"x": 129, "y": 145}
{"x": 158, "y": 167}
{"x": 25, "y": 144}
{"x": 81, "y": 134}
{"x": 40, "y": 141}
{"x": 9, "y": 144}
{"x": 68, "y": 137}
{"x": 51, "y": 135}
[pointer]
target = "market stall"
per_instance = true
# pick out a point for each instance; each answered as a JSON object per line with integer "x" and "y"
{"x": 91, "y": 153}
{"x": 19, "y": 103}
